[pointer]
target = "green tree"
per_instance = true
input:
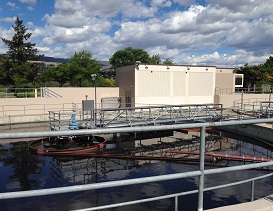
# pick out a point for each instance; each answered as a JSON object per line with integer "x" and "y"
{"x": 268, "y": 66}
{"x": 4, "y": 69}
{"x": 60, "y": 73}
{"x": 128, "y": 56}
{"x": 168, "y": 62}
{"x": 110, "y": 82}
{"x": 82, "y": 65}
{"x": 21, "y": 54}
{"x": 155, "y": 59}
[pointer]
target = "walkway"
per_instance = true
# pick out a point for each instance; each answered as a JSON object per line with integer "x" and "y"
{"x": 139, "y": 116}
{"x": 265, "y": 204}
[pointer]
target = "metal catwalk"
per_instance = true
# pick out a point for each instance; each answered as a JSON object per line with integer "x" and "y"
{"x": 136, "y": 116}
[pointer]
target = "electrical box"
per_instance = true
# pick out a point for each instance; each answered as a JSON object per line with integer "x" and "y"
{"x": 87, "y": 105}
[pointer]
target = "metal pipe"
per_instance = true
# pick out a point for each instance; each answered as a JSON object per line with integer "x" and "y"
{"x": 176, "y": 203}
{"x": 130, "y": 129}
{"x": 202, "y": 168}
{"x": 252, "y": 190}
{"x": 245, "y": 158}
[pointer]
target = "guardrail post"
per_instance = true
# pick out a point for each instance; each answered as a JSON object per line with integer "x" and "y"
{"x": 176, "y": 203}
{"x": 201, "y": 167}
{"x": 252, "y": 190}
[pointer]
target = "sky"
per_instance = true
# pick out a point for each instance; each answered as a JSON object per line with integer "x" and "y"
{"x": 219, "y": 33}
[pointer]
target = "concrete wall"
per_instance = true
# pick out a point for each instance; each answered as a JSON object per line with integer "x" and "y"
{"x": 12, "y": 121}
{"x": 19, "y": 106}
{"x": 25, "y": 110}
{"x": 249, "y": 100}
{"x": 77, "y": 94}
{"x": 263, "y": 132}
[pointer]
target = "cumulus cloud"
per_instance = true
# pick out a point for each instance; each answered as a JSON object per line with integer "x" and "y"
{"x": 12, "y": 5}
{"x": 224, "y": 33}
{"x": 182, "y": 21}
{"x": 185, "y": 2}
{"x": 30, "y": 8}
{"x": 8, "y": 19}
{"x": 31, "y": 2}
{"x": 139, "y": 34}
{"x": 161, "y": 3}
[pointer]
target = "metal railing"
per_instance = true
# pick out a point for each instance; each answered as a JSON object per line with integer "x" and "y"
{"x": 201, "y": 173}
{"x": 20, "y": 92}
{"x": 35, "y": 108}
{"x": 250, "y": 104}
{"x": 46, "y": 92}
{"x": 238, "y": 90}
{"x": 146, "y": 115}
{"x": 28, "y": 93}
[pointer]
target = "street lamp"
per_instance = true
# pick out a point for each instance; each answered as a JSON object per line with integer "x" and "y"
{"x": 94, "y": 77}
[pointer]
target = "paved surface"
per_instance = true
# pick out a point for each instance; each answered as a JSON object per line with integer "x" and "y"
{"x": 265, "y": 204}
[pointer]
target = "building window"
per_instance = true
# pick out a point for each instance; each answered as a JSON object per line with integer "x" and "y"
{"x": 239, "y": 80}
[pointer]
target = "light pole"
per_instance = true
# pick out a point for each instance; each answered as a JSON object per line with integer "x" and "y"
{"x": 269, "y": 98}
{"x": 94, "y": 77}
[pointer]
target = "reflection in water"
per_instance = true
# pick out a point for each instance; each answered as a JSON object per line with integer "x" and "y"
{"x": 21, "y": 170}
{"x": 23, "y": 165}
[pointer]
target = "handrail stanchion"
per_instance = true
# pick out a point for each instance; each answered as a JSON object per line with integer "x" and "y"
{"x": 252, "y": 189}
{"x": 202, "y": 168}
{"x": 176, "y": 203}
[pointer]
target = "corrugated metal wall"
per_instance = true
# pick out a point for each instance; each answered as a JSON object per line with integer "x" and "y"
{"x": 150, "y": 81}
{"x": 201, "y": 84}
{"x": 179, "y": 83}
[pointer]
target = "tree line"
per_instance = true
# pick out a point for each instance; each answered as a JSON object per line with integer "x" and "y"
{"x": 257, "y": 75}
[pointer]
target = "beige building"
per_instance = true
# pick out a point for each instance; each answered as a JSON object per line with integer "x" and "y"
{"x": 142, "y": 85}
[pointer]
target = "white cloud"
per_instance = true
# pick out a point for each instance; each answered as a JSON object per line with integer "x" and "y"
{"x": 30, "y": 8}
{"x": 218, "y": 33}
{"x": 185, "y": 2}
{"x": 31, "y": 2}
{"x": 104, "y": 9}
{"x": 138, "y": 10}
{"x": 9, "y": 19}
{"x": 94, "y": 45}
{"x": 224, "y": 60}
{"x": 12, "y": 5}
{"x": 161, "y": 3}
{"x": 184, "y": 21}
{"x": 78, "y": 19}
{"x": 139, "y": 34}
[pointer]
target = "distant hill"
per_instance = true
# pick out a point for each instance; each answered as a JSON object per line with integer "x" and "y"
{"x": 52, "y": 59}
{"x": 62, "y": 60}
{"x": 104, "y": 64}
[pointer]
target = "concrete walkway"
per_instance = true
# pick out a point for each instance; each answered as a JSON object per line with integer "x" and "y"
{"x": 265, "y": 204}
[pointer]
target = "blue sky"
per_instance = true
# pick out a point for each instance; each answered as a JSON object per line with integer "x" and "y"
{"x": 203, "y": 32}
